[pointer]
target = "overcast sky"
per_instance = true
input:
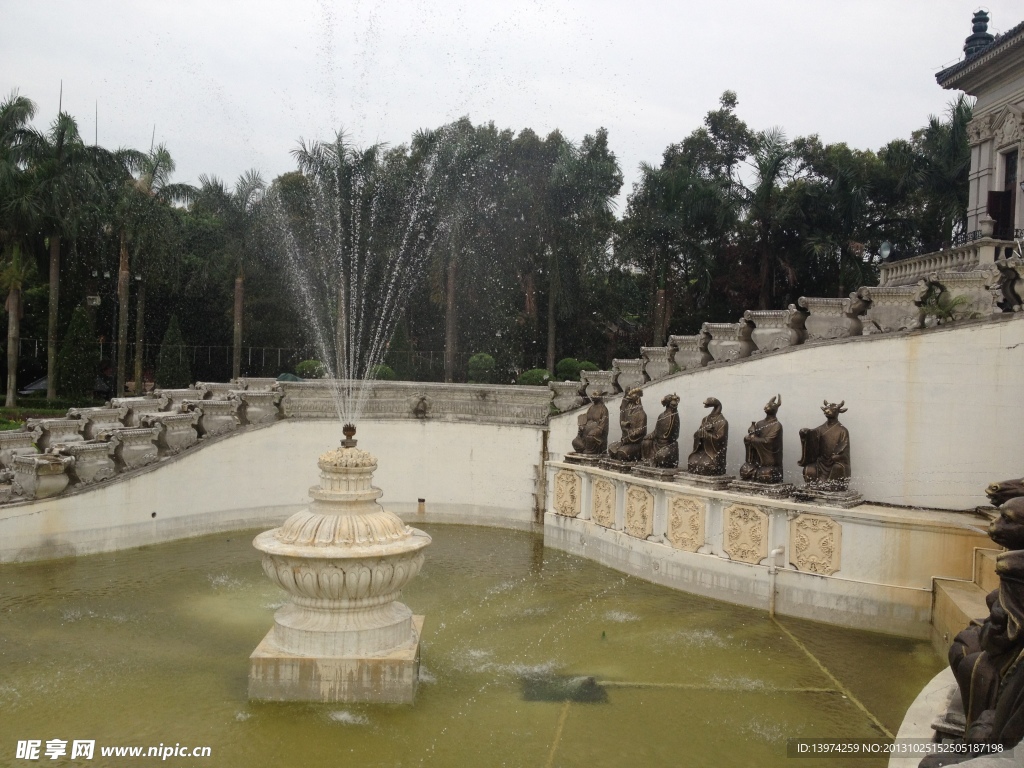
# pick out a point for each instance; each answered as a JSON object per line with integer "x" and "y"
{"x": 233, "y": 85}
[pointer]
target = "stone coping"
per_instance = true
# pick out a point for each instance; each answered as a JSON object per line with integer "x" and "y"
{"x": 900, "y": 517}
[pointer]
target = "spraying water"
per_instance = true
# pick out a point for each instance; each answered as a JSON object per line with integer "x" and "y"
{"x": 356, "y": 231}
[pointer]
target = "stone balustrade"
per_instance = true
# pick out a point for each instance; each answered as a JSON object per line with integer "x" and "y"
{"x": 966, "y": 258}
{"x": 657, "y": 361}
{"x": 99, "y": 420}
{"x": 729, "y": 341}
{"x": 690, "y": 351}
{"x": 602, "y": 382}
{"x": 424, "y": 400}
{"x": 629, "y": 374}
{"x": 776, "y": 329}
{"x": 833, "y": 318}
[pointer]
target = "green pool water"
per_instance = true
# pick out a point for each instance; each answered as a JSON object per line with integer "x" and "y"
{"x": 151, "y": 646}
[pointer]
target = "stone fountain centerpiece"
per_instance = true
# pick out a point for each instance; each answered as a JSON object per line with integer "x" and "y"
{"x": 343, "y": 635}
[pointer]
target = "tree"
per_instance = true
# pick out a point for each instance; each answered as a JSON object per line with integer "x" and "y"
{"x": 65, "y": 181}
{"x": 238, "y": 210}
{"x": 16, "y": 222}
{"x": 77, "y": 363}
{"x": 771, "y": 161}
{"x": 172, "y": 370}
{"x": 145, "y": 194}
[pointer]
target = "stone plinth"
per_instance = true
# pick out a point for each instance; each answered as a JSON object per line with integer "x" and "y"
{"x": 343, "y": 635}
{"x": 655, "y": 473}
{"x": 176, "y": 397}
{"x": 390, "y": 678}
{"x": 40, "y": 476}
{"x": 586, "y": 459}
{"x": 135, "y": 447}
{"x": 712, "y": 482}
{"x": 843, "y": 499}
{"x": 774, "y": 490}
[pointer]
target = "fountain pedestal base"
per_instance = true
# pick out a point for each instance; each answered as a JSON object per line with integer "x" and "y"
{"x": 388, "y": 678}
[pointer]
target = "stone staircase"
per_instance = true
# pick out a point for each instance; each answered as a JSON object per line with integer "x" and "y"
{"x": 955, "y": 603}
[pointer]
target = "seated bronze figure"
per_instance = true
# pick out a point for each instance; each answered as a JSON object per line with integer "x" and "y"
{"x": 763, "y": 442}
{"x": 826, "y": 451}
{"x": 710, "y": 442}
{"x": 633, "y": 422}
{"x": 661, "y": 447}
{"x": 593, "y": 433}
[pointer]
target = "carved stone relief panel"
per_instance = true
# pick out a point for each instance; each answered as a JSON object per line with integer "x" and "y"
{"x": 568, "y": 490}
{"x": 686, "y": 515}
{"x": 639, "y": 512}
{"x": 602, "y": 510}
{"x": 746, "y": 533}
{"x": 814, "y": 544}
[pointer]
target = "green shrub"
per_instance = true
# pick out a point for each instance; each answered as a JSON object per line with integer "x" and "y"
{"x": 77, "y": 363}
{"x": 311, "y": 369}
{"x": 568, "y": 369}
{"x": 172, "y": 364}
{"x": 383, "y": 372}
{"x": 481, "y": 369}
{"x": 534, "y": 377}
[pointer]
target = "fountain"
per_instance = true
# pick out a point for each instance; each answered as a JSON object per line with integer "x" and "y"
{"x": 343, "y": 635}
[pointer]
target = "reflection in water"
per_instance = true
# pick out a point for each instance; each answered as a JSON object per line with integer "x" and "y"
{"x": 152, "y": 646}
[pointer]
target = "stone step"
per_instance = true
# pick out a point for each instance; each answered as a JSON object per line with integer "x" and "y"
{"x": 955, "y": 604}
{"x": 985, "y": 569}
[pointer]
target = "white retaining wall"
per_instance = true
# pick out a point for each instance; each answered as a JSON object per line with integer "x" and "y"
{"x": 471, "y": 473}
{"x": 934, "y": 415}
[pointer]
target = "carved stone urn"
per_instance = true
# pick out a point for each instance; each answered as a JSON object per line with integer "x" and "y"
{"x": 343, "y": 635}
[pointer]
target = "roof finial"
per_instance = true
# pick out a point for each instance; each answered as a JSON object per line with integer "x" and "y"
{"x": 980, "y": 38}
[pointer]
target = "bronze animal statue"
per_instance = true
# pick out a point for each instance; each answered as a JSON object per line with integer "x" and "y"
{"x": 661, "y": 447}
{"x": 826, "y": 451}
{"x": 710, "y": 442}
{"x": 592, "y": 437}
{"x": 763, "y": 442}
{"x": 633, "y": 422}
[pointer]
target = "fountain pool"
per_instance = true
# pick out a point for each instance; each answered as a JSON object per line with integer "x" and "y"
{"x": 151, "y": 646}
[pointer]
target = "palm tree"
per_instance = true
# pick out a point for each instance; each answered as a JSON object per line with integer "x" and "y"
{"x": 16, "y": 214}
{"x": 238, "y": 209}
{"x": 15, "y": 272}
{"x": 771, "y": 161}
{"x": 145, "y": 190}
{"x": 66, "y": 180}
